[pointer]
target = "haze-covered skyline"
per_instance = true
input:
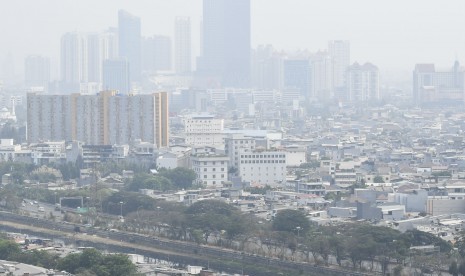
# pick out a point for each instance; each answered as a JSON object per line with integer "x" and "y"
{"x": 394, "y": 35}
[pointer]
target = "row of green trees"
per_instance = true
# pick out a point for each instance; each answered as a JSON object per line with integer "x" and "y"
{"x": 89, "y": 262}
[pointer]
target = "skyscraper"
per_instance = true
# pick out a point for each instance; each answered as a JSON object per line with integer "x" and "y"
{"x": 226, "y": 41}
{"x": 36, "y": 71}
{"x": 73, "y": 61}
{"x": 129, "y": 35}
{"x": 362, "y": 83}
{"x": 182, "y": 44}
{"x": 339, "y": 50}
{"x": 116, "y": 75}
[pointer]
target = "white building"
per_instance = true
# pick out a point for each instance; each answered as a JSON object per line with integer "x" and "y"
{"x": 8, "y": 150}
{"x": 362, "y": 82}
{"x": 263, "y": 167}
{"x": 339, "y": 50}
{"x": 295, "y": 155}
{"x": 211, "y": 169}
{"x": 236, "y": 143}
{"x": 204, "y": 130}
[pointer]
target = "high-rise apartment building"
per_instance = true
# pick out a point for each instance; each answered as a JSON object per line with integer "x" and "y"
{"x": 116, "y": 75}
{"x": 322, "y": 76}
{"x": 49, "y": 117}
{"x": 182, "y": 44}
{"x": 432, "y": 86}
{"x": 82, "y": 57}
{"x": 226, "y": 41}
{"x": 339, "y": 50}
{"x": 362, "y": 82}
{"x": 129, "y": 38}
{"x": 74, "y": 61}
{"x": 36, "y": 71}
{"x": 104, "y": 119}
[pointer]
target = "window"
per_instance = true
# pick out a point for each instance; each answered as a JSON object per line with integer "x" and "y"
{"x": 204, "y": 169}
{"x": 205, "y": 176}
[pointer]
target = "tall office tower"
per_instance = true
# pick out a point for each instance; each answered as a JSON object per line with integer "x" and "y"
{"x": 156, "y": 52}
{"x": 116, "y": 75}
{"x": 226, "y": 41}
{"x": 129, "y": 37}
{"x": 36, "y": 71}
{"x": 322, "y": 76}
{"x": 104, "y": 119}
{"x": 182, "y": 45}
{"x": 339, "y": 50}
{"x": 298, "y": 75}
{"x": 48, "y": 117}
{"x": 431, "y": 86}
{"x": 362, "y": 82}
{"x": 73, "y": 61}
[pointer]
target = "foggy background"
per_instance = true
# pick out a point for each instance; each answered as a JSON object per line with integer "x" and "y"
{"x": 392, "y": 34}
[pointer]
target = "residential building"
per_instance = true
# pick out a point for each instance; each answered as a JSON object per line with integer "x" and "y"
{"x": 204, "y": 130}
{"x": 362, "y": 83}
{"x": 211, "y": 168}
{"x": 262, "y": 168}
{"x": 339, "y": 50}
{"x": 235, "y": 143}
{"x": 73, "y": 66}
{"x": 104, "y": 119}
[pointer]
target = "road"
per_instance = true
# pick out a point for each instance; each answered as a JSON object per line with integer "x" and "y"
{"x": 149, "y": 244}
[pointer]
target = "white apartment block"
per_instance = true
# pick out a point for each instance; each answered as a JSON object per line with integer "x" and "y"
{"x": 234, "y": 144}
{"x": 211, "y": 169}
{"x": 204, "y": 130}
{"x": 263, "y": 168}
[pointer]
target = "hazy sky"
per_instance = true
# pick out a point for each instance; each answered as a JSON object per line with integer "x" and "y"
{"x": 393, "y": 34}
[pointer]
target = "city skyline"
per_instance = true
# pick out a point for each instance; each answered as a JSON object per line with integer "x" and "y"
{"x": 374, "y": 36}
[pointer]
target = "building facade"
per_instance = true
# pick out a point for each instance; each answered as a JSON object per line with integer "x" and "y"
{"x": 104, "y": 119}
{"x": 262, "y": 168}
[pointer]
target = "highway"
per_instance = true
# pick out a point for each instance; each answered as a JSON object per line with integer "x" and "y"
{"x": 149, "y": 244}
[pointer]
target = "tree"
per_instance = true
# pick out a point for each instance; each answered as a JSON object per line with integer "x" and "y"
{"x": 453, "y": 268}
{"x": 216, "y": 216}
{"x": 148, "y": 181}
{"x": 291, "y": 221}
{"x": 8, "y": 249}
{"x": 181, "y": 178}
{"x": 378, "y": 179}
